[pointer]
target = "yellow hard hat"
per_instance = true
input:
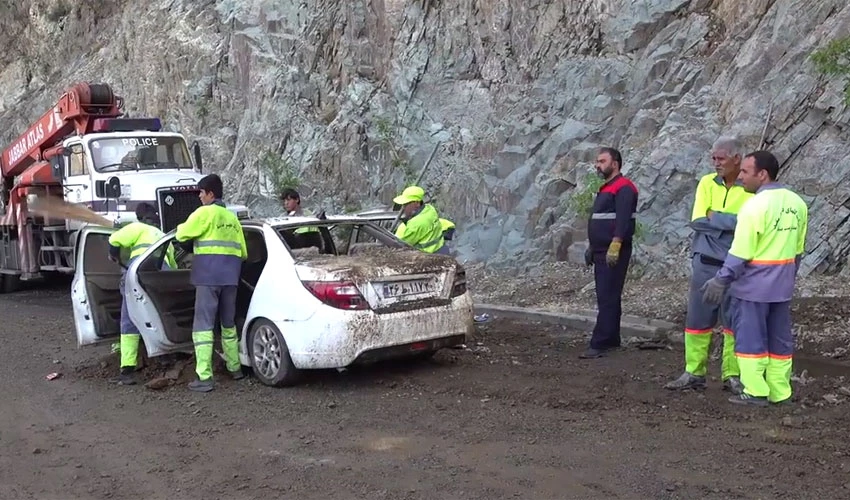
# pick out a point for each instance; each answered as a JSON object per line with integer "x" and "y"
{"x": 410, "y": 194}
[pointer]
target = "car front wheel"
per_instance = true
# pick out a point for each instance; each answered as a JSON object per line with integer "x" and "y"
{"x": 270, "y": 358}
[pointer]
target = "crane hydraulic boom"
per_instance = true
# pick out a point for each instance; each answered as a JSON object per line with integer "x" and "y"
{"x": 75, "y": 111}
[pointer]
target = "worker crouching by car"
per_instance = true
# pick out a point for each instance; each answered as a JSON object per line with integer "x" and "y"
{"x": 420, "y": 226}
{"x": 135, "y": 237}
{"x": 214, "y": 234}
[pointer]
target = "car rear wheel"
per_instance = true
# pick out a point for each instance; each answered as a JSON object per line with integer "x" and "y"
{"x": 270, "y": 358}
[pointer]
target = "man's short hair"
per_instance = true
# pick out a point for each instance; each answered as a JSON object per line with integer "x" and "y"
{"x": 764, "y": 160}
{"x": 145, "y": 212}
{"x": 290, "y": 194}
{"x": 728, "y": 143}
{"x": 615, "y": 155}
{"x": 212, "y": 184}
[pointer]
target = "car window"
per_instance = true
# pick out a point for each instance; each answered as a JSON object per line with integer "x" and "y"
{"x": 341, "y": 234}
{"x": 308, "y": 236}
{"x": 367, "y": 236}
{"x": 96, "y": 255}
{"x": 156, "y": 260}
{"x": 335, "y": 238}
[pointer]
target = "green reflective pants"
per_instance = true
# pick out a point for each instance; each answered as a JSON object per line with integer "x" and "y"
{"x": 129, "y": 340}
{"x": 765, "y": 347}
{"x": 129, "y": 349}
{"x": 697, "y": 348}
{"x": 700, "y": 322}
{"x": 212, "y": 301}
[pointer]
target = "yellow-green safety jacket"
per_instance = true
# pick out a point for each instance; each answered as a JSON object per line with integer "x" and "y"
{"x": 713, "y": 234}
{"x": 219, "y": 245}
{"x": 769, "y": 242}
{"x": 423, "y": 231}
{"x": 303, "y": 212}
{"x": 138, "y": 237}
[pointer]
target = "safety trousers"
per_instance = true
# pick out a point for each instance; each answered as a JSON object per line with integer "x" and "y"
{"x": 609, "y": 294}
{"x": 699, "y": 325}
{"x": 764, "y": 345}
{"x": 212, "y": 301}
{"x": 129, "y": 334}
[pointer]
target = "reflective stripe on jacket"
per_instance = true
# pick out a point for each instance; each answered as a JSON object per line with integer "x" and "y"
{"x": 219, "y": 245}
{"x": 768, "y": 245}
{"x": 613, "y": 213}
{"x": 303, "y": 212}
{"x": 138, "y": 237}
{"x": 423, "y": 231}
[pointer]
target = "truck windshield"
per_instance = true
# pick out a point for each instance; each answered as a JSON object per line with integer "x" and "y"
{"x": 139, "y": 153}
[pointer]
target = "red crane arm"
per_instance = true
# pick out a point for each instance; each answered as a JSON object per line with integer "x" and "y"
{"x": 75, "y": 112}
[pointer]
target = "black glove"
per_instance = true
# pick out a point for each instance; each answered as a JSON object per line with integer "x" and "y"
{"x": 712, "y": 291}
{"x": 588, "y": 257}
{"x": 187, "y": 246}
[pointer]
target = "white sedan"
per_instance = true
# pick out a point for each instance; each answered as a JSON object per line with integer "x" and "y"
{"x": 314, "y": 293}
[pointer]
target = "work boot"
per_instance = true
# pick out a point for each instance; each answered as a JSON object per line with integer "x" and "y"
{"x": 202, "y": 385}
{"x": 746, "y": 399}
{"x": 592, "y": 353}
{"x": 237, "y": 375}
{"x": 127, "y": 376}
{"x": 784, "y": 402}
{"x": 686, "y": 381}
{"x": 733, "y": 385}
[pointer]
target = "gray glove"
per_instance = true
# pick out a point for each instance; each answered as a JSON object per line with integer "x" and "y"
{"x": 712, "y": 291}
{"x": 588, "y": 257}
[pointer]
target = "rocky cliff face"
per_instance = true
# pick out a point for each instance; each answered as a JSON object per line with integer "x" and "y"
{"x": 348, "y": 98}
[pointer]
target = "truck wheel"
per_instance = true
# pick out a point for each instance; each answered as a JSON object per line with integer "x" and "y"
{"x": 9, "y": 283}
{"x": 269, "y": 354}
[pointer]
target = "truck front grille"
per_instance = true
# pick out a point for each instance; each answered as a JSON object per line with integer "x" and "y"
{"x": 176, "y": 204}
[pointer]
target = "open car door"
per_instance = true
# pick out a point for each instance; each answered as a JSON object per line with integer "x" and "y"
{"x": 95, "y": 296}
{"x": 161, "y": 300}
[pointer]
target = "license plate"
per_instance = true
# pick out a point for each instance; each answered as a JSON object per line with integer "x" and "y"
{"x": 403, "y": 288}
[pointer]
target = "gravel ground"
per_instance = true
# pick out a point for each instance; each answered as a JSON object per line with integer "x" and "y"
{"x": 515, "y": 415}
{"x": 821, "y": 310}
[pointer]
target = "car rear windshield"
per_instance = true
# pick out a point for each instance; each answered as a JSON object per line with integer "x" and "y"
{"x": 337, "y": 238}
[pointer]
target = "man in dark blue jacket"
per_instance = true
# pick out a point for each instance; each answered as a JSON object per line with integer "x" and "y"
{"x": 609, "y": 233}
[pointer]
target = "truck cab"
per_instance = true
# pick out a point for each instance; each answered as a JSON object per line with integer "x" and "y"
{"x": 84, "y": 151}
{"x": 150, "y": 166}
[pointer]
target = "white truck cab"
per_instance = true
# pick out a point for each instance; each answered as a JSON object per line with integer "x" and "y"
{"x": 112, "y": 172}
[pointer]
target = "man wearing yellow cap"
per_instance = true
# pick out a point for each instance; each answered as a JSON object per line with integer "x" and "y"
{"x": 420, "y": 226}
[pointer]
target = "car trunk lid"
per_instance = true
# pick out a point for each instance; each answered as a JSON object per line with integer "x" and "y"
{"x": 389, "y": 279}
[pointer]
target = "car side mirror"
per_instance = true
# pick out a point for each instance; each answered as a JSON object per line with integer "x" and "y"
{"x": 196, "y": 152}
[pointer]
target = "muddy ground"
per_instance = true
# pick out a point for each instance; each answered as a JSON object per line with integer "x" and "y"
{"x": 516, "y": 415}
{"x": 820, "y": 310}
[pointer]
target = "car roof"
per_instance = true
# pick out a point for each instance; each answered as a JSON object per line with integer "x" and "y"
{"x": 282, "y": 221}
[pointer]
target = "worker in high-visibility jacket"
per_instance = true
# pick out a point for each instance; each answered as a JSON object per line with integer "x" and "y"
{"x": 214, "y": 234}
{"x": 135, "y": 237}
{"x": 760, "y": 272}
{"x": 420, "y": 224}
{"x": 719, "y": 197}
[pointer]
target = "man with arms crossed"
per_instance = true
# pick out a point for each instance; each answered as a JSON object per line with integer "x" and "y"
{"x": 718, "y": 198}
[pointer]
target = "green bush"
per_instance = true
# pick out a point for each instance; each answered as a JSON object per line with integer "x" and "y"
{"x": 279, "y": 172}
{"x": 581, "y": 201}
{"x": 834, "y": 60}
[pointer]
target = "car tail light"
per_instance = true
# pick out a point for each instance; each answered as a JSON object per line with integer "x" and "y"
{"x": 338, "y": 294}
{"x": 459, "y": 287}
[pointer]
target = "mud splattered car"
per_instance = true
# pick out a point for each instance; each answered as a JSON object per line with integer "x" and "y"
{"x": 314, "y": 293}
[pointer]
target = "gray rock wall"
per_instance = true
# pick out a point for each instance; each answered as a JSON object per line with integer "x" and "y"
{"x": 351, "y": 97}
